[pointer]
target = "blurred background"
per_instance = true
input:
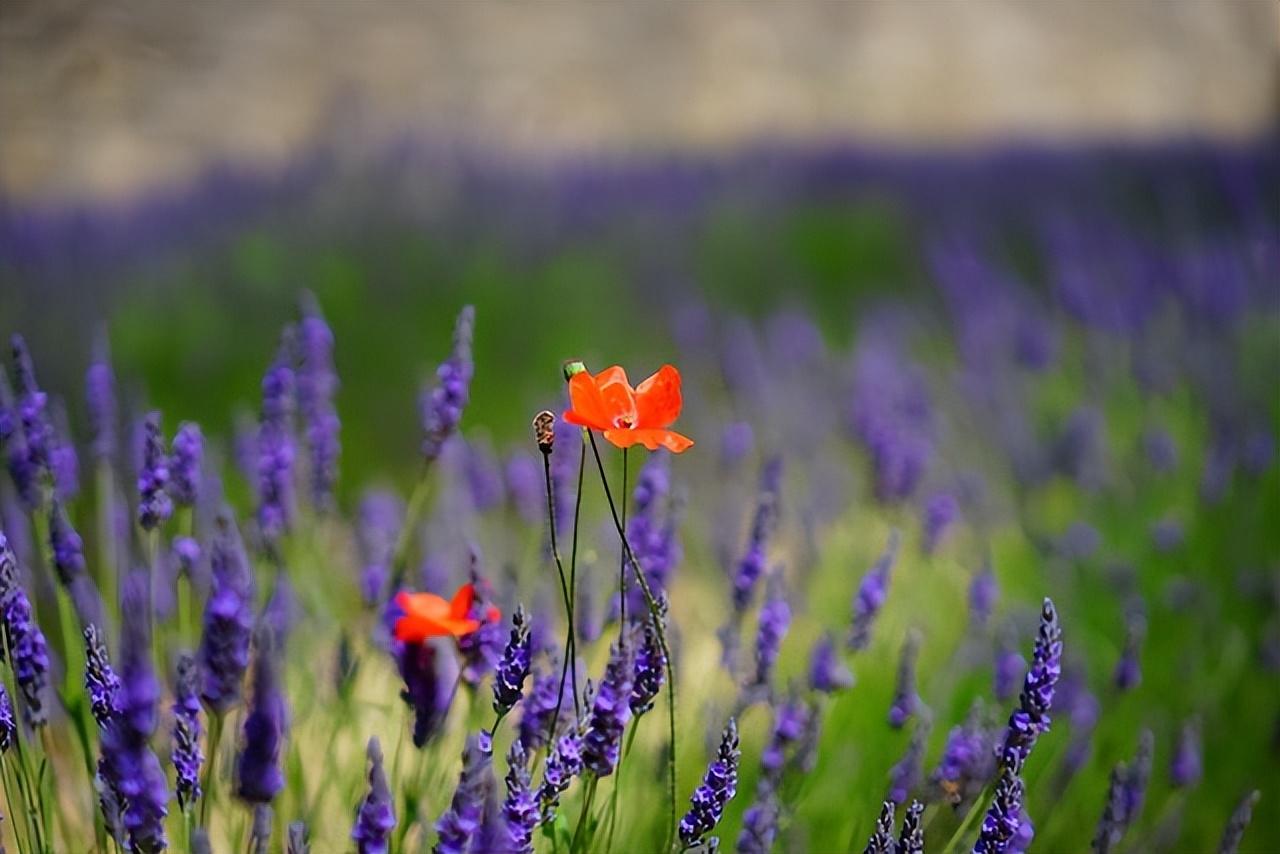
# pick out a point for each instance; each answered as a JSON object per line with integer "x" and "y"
{"x": 180, "y": 172}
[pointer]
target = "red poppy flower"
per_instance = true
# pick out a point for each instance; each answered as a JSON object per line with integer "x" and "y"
{"x": 427, "y": 615}
{"x": 625, "y": 415}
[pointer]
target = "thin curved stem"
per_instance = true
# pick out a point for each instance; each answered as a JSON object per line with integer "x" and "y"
{"x": 569, "y": 667}
{"x": 656, "y": 614}
{"x": 622, "y": 560}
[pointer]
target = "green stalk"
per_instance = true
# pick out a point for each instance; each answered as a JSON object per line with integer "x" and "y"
{"x": 585, "y": 816}
{"x": 956, "y": 842}
{"x": 417, "y": 500}
{"x": 568, "y": 668}
{"x": 8, "y": 800}
{"x": 215, "y": 736}
{"x": 107, "y": 570}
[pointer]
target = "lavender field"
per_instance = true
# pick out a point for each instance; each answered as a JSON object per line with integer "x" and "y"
{"x": 937, "y": 508}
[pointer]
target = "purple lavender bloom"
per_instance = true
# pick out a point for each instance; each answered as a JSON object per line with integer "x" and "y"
{"x": 37, "y": 430}
{"x": 871, "y": 595}
{"x": 911, "y": 840}
{"x": 940, "y": 512}
{"x": 154, "y": 505}
{"x": 1134, "y": 792}
{"x": 458, "y": 826}
{"x": 100, "y": 397}
{"x": 650, "y": 670}
{"x": 513, "y": 669}
{"x": 100, "y": 681}
{"x": 827, "y": 673}
{"x": 1238, "y": 823}
{"x": 8, "y": 723}
{"x": 228, "y": 619}
{"x": 1000, "y": 824}
{"x": 882, "y": 841}
{"x": 1081, "y": 541}
{"x": 26, "y": 644}
{"x": 520, "y": 807}
{"x": 735, "y": 443}
{"x": 905, "y": 699}
{"x": 66, "y": 545}
{"x": 775, "y": 619}
{"x": 904, "y": 777}
{"x": 790, "y": 721}
{"x": 317, "y": 384}
{"x": 652, "y": 532}
{"x": 1187, "y": 765}
{"x": 522, "y": 479}
{"x": 1167, "y": 535}
{"x": 1128, "y": 672}
{"x": 564, "y": 763}
{"x": 1112, "y": 825}
{"x": 1025, "y": 833}
{"x": 381, "y": 516}
{"x": 442, "y": 408}
{"x": 1162, "y": 453}
{"x": 752, "y": 565}
{"x": 760, "y": 821}
{"x": 719, "y": 785}
{"x": 968, "y": 760}
{"x": 481, "y": 649}
{"x": 64, "y": 464}
{"x": 185, "y": 463}
{"x": 258, "y": 775}
{"x": 1031, "y": 718}
{"x": 275, "y": 445}
{"x": 982, "y": 595}
{"x": 185, "y": 552}
{"x": 429, "y": 674}
{"x": 376, "y": 817}
{"x": 602, "y": 741}
{"x": 187, "y": 755}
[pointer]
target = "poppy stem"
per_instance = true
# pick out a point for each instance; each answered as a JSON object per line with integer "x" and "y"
{"x": 622, "y": 559}
{"x": 656, "y": 613}
{"x": 568, "y": 668}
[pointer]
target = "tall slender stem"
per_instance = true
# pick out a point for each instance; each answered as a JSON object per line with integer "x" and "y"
{"x": 656, "y": 613}
{"x": 569, "y": 667}
{"x": 622, "y": 559}
{"x": 412, "y": 511}
{"x": 215, "y": 735}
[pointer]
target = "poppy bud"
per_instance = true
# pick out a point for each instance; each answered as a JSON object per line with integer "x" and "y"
{"x": 573, "y": 367}
{"x": 544, "y": 431}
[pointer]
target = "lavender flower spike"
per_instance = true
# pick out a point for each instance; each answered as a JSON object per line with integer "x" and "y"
{"x": 154, "y": 505}
{"x": 650, "y": 672}
{"x": 8, "y": 723}
{"x": 258, "y": 775}
{"x": 37, "y": 430}
{"x": 317, "y": 383}
{"x": 26, "y": 643}
{"x": 775, "y": 619}
{"x": 442, "y": 408}
{"x": 1238, "y": 824}
{"x": 1031, "y": 718}
{"x": 1000, "y": 824}
{"x": 760, "y": 821}
{"x": 905, "y": 699}
{"x": 275, "y": 446}
{"x": 100, "y": 398}
{"x": 1112, "y": 825}
{"x": 752, "y": 565}
{"x": 904, "y": 777}
{"x": 827, "y": 673}
{"x": 185, "y": 463}
{"x": 871, "y": 594}
{"x": 520, "y": 808}
{"x": 609, "y": 715}
{"x": 228, "y": 619}
{"x": 100, "y": 681}
{"x": 66, "y": 545}
{"x": 458, "y": 826}
{"x": 911, "y": 840}
{"x": 1187, "y": 766}
{"x": 187, "y": 755}
{"x": 564, "y": 762}
{"x": 882, "y": 841}
{"x": 513, "y": 669}
{"x": 719, "y": 785}
{"x": 376, "y": 817}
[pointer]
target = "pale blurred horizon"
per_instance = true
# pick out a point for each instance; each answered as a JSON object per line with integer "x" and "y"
{"x": 103, "y": 101}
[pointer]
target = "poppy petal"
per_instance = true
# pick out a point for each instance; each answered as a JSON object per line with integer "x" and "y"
{"x": 461, "y": 604}
{"x": 618, "y": 397}
{"x": 586, "y": 406}
{"x": 651, "y": 439}
{"x": 658, "y": 399}
{"x": 427, "y": 605}
{"x": 413, "y": 629}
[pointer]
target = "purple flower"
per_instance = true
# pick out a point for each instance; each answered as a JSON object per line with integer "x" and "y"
{"x": 1113, "y": 823}
{"x": 882, "y": 841}
{"x": 513, "y": 669}
{"x": 871, "y": 595}
{"x": 429, "y": 673}
{"x": 154, "y": 505}
{"x": 26, "y": 644}
{"x": 719, "y": 785}
{"x": 651, "y": 531}
{"x": 228, "y": 619}
{"x": 186, "y": 554}
{"x": 66, "y": 545}
{"x": 458, "y": 826}
{"x": 520, "y": 807}
{"x": 33, "y": 418}
{"x": 187, "y": 755}
{"x": 982, "y": 595}
{"x": 904, "y": 777}
{"x": 1167, "y": 535}
{"x": 760, "y": 820}
{"x": 563, "y": 763}
{"x": 1238, "y": 823}
{"x": 442, "y": 408}
{"x": 940, "y": 511}
{"x": 1138, "y": 777}
{"x": 968, "y": 760}
{"x": 258, "y": 775}
{"x": 100, "y": 398}
{"x": 752, "y": 565}
{"x": 376, "y": 817}
{"x": 911, "y": 840}
{"x": 185, "y": 463}
{"x": 275, "y": 445}
{"x": 609, "y": 715}
{"x": 381, "y": 516}
{"x": 775, "y": 619}
{"x": 1031, "y": 718}
{"x": 8, "y": 724}
{"x": 1128, "y": 672}
{"x": 1000, "y": 824}
{"x": 483, "y": 475}
{"x": 905, "y": 699}
{"x": 1186, "y": 767}
{"x": 100, "y": 681}
{"x": 481, "y": 649}
{"x": 64, "y": 464}
{"x": 538, "y": 708}
{"x": 827, "y": 673}
{"x": 790, "y": 722}
{"x": 650, "y": 670}
{"x": 317, "y": 384}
